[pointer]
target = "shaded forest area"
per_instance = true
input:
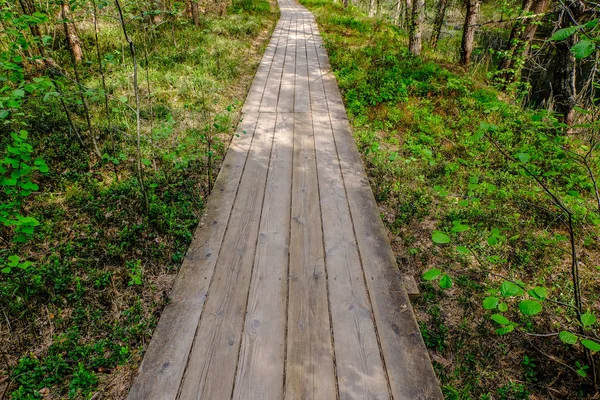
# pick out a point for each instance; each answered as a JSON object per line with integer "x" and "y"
{"x": 478, "y": 125}
{"x": 114, "y": 118}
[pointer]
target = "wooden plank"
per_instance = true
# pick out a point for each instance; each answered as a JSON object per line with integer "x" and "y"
{"x": 360, "y": 371}
{"x": 271, "y": 92}
{"x": 164, "y": 362}
{"x": 286, "y": 93}
{"x": 318, "y": 102}
{"x": 409, "y": 369}
{"x": 302, "y": 93}
{"x": 261, "y": 364}
{"x": 259, "y": 82}
{"x": 212, "y": 362}
{"x": 309, "y": 364}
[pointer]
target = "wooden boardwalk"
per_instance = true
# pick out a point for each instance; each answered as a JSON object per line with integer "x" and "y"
{"x": 290, "y": 289}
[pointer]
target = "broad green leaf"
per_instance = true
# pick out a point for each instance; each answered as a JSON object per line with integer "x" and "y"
{"x": 567, "y": 337}
{"x": 460, "y": 228}
{"x": 588, "y": 319}
{"x": 431, "y": 274}
{"x": 591, "y": 24}
{"x": 530, "y": 307}
{"x": 13, "y": 261}
{"x": 590, "y": 344}
{"x": 445, "y": 282}
{"x": 564, "y": 33}
{"x": 500, "y": 319}
{"x": 462, "y": 250}
{"x": 524, "y": 157}
{"x": 6, "y": 270}
{"x": 440, "y": 237}
{"x": 502, "y": 307}
{"x": 583, "y": 49}
{"x": 504, "y": 330}
{"x": 492, "y": 240}
{"x": 540, "y": 293}
{"x": 509, "y": 289}
{"x": 489, "y": 303}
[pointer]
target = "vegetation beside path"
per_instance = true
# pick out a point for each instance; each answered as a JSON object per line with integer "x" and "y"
{"x": 87, "y": 272}
{"x": 453, "y": 164}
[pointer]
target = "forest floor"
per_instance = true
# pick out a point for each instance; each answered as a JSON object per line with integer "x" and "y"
{"x": 419, "y": 124}
{"x": 75, "y": 324}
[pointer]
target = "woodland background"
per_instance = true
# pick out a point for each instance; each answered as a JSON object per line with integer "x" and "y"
{"x": 478, "y": 125}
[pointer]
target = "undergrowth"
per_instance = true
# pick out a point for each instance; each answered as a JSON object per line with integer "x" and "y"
{"x": 432, "y": 141}
{"x": 77, "y": 320}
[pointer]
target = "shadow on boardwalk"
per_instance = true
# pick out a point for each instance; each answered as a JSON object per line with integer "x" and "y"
{"x": 290, "y": 288}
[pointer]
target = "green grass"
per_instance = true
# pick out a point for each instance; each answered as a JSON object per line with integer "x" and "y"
{"x": 425, "y": 133}
{"x": 78, "y": 320}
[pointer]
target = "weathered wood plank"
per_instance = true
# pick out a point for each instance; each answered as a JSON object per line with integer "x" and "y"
{"x": 271, "y": 92}
{"x": 407, "y": 362}
{"x": 165, "y": 360}
{"x": 261, "y": 364}
{"x": 302, "y": 92}
{"x": 259, "y": 82}
{"x": 286, "y": 92}
{"x": 309, "y": 364}
{"x": 212, "y": 362}
{"x": 318, "y": 102}
{"x": 359, "y": 365}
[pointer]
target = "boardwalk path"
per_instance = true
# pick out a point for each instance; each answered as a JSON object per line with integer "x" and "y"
{"x": 290, "y": 288}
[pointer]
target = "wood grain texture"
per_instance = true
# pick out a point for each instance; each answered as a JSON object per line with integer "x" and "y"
{"x": 309, "y": 365}
{"x": 167, "y": 354}
{"x": 360, "y": 369}
{"x": 407, "y": 362}
{"x": 212, "y": 362}
{"x": 262, "y": 354}
{"x": 289, "y": 289}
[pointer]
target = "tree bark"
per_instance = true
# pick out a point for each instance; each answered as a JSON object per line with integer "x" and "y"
{"x": 519, "y": 44}
{"x": 397, "y": 12}
{"x": 407, "y": 13}
{"x": 372, "y": 8}
{"x": 195, "y": 12}
{"x": 415, "y": 43}
{"x": 28, "y": 7}
{"x": 438, "y": 22}
{"x": 70, "y": 32}
{"x": 563, "y": 81}
{"x": 468, "y": 37}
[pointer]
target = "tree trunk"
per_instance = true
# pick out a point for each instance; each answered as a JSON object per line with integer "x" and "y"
{"x": 468, "y": 37}
{"x": 345, "y": 3}
{"x": 415, "y": 42}
{"x": 397, "y": 12}
{"x": 563, "y": 81}
{"x": 195, "y": 12}
{"x": 372, "y": 8}
{"x": 407, "y": 13}
{"x": 70, "y": 32}
{"x": 520, "y": 42}
{"x": 438, "y": 22}
{"x": 28, "y": 7}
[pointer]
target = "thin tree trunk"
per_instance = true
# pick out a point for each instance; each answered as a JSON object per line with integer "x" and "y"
{"x": 28, "y": 7}
{"x": 397, "y": 12}
{"x": 195, "y": 12}
{"x": 415, "y": 43}
{"x": 407, "y": 13}
{"x": 137, "y": 107}
{"x": 438, "y": 22}
{"x": 468, "y": 37}
{"x": 372, "y": 8}
{"x": 71, "y": 33}
{"x": 519, "y": 43}
{"x": 563, "y": 82}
